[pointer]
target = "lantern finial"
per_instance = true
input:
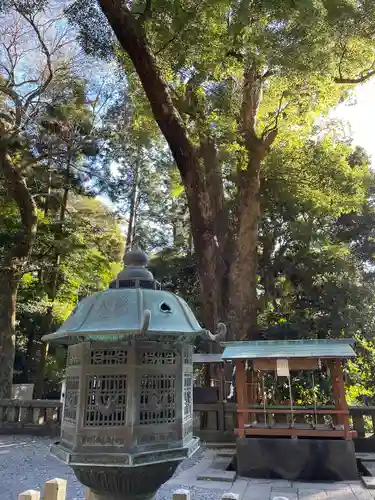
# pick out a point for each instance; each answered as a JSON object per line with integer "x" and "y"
{"x": 135, "y": 274}
{"x": 135, "y": 258}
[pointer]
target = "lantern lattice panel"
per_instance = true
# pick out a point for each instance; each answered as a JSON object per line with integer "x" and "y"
{"x": 188, "y": 428}
{"x": 107, "y": 356}
{"x": 159, "y": 358}
{"x": 106, "y": 401}
{"x": 74, "y": 356}
{"x": 188, "y": 396}
{"x": 157, "y": 399}
{"x": 71, "y": 400}
{"x": 188, "y": 355}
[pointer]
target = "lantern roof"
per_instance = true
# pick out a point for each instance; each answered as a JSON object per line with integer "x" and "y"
{"x": 134, "y": 305}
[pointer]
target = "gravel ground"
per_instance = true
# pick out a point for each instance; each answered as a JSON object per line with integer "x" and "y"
{"x": 25, "y": 463}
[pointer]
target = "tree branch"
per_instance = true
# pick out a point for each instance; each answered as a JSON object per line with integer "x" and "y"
{"x": 37, "y": 92}
{"x": 363, "y": 76}
{"x": 342, "y": 59}
{"x": 18, "y": 190}
{"x": 51, "y": 195}
{"x": 17, "y": 102}
{"x": 171, "y": 40}
{"x": 270, "y": 134}
{"x": 147, "y": 12}
{"x": 267, "y": 74}
{"x": 360, "y": 79}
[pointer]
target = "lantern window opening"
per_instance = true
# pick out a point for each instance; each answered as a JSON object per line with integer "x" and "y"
{"x": 165, "y": 308}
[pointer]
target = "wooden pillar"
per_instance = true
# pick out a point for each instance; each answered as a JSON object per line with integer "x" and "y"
{"x": 241, "y": 390}
{"x": 252, "y": 392}
{"x": 359, "y": 424}
{"x": 29, "y": 495}
{"x": 338, "y": 388}
{"x": 55, "y": 489}
{"x": 220, "y": 417}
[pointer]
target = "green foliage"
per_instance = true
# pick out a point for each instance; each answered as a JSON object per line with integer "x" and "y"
{"x": 90, "y": 254}
{"x": 316, "y": 250}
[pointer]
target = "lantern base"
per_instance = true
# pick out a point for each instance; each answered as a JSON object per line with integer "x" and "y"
{"x": 130, "y": 483}
{"x": 94, "y": 496}
{"x": 109, "y": 496}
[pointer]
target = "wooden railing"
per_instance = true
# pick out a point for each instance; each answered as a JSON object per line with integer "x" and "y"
{"x": 363, "y": 418}
{"x": 215, "y": 422}
{"x": 39, "y": 417}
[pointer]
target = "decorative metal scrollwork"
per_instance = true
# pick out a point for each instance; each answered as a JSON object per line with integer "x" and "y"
{"x": 221, "y": 334}
{"x": 145, "y": 321}
{"x": 108, "y": 407}
{"x": 157, "y": 402}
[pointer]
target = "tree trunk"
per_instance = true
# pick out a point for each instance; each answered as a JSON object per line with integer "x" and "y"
{"x": 43, "y": 352}
{"x": 243, "y": 272}
{"x": 200, "y": 183}
{"x": 43, "y": 347}
{"x": 215, "y": 190}
{"x": 131, "y": 36}
{"x": 12, "y": 266}
{"x": 244, "y": 268}
{"x": 133, "y": 207}
{"x": 8, "y": 296}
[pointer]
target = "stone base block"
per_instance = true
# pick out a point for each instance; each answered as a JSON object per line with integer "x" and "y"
{"x": 297, "y": 459}
{"x": 365, "y": 445}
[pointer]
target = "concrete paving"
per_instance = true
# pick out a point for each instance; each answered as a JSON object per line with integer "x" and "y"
{"x": 263, "y": 489}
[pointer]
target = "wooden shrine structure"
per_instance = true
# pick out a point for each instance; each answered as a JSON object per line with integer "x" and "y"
{"x": 257, "y": 418}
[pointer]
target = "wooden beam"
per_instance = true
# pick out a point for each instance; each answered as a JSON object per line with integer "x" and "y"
{"x": 294, "y": 432}
{"x": 269, "y": 364}
{"x": 220, "y": 415}
{"x": 301, "y": 411}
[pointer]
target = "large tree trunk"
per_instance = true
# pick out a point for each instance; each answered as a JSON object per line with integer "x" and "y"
{"x": 203, "y": 183}
{"x": 8, "y": 294}
{"x": 215, "y": 190}
{"x": 244, "y": 269}
{"x": 12, "y": 266}
{"x": 132, "y": 38}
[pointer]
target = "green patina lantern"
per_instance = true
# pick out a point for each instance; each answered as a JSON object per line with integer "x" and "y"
{"x": 128, "y": 410}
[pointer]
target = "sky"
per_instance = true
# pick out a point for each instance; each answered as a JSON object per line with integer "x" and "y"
{"x": 360, "y": 116}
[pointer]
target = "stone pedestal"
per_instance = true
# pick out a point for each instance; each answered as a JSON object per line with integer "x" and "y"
{"x": 365, "y": 445}
{"x": 122, "y": 483}
{"x": 297, "y": 459}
